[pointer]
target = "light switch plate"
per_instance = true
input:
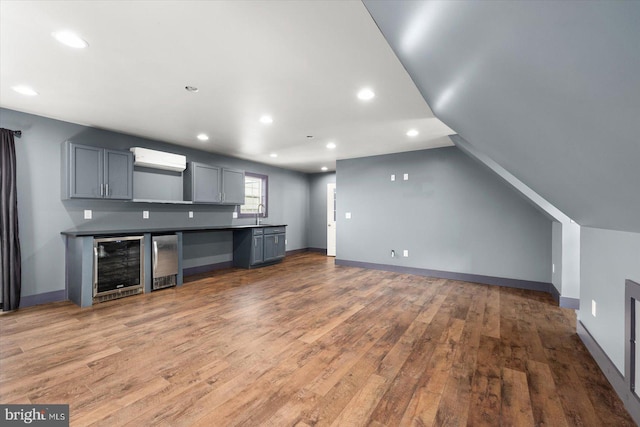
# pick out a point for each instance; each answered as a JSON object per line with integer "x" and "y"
{"x": 190, "y": 214}
{"x": 88, "y": 214}
{"x": 406, "y": 177}
{"x": 393, "y": 177}
{"x": 347, "y": 215}
{"x": 405, "y": 253}
{"x": 145, "y": 214}
{"x": 235, "y": 215}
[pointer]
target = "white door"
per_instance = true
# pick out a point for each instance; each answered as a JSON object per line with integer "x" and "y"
{"x": 331, "y": 219}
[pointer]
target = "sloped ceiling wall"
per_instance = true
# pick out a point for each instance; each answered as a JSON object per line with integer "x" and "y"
{"x": 549, "y": 90}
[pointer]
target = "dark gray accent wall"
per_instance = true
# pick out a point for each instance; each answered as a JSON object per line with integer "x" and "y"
{"x": 317, "y": 233}
{"x": 451, "y": 215}
{"x": 547, "y": 89}
{"x": 608, "y": 258}
{"x": 43, "y": 215}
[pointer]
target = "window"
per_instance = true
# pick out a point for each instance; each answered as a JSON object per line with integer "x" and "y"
{"x": 256, "y": 193}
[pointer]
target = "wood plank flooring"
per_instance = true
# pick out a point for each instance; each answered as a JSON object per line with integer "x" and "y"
{"x": 306, "y": 343}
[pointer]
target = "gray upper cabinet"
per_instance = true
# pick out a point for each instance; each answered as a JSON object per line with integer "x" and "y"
{"x": 202, "y": 183}
{"x": 97, "y": 173}
{"x": 212, "y": 184}
{"x": 118, "y": 177}
{"x": 232, "y": 187}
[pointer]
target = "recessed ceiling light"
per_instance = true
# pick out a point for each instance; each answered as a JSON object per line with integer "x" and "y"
{"x": 324, "y": 169}
{"x": 412, "y": 133}
{"x": 266, "y": 119}
{"x": 25, "y": 90}
{"x": 274, "y": 155}
{"x": 203, "y": 137}
{"x": 331, "y": 145}
{"x": 71, "y": 39}
{"x": 191, "y": 88}
{"x": 366, "y": 94}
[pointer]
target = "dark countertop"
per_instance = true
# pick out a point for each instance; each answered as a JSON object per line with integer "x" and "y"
{"x": 74, "y": 232}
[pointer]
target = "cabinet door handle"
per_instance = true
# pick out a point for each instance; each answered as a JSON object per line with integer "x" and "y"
{"x": 276, "y": 239}
{"x": 106, "y": 190}
{"x": 155, "y": 257}
{"x": 95, "y": 269}
{"x": 101, "y": 190}
{"x": 219, "y": 197}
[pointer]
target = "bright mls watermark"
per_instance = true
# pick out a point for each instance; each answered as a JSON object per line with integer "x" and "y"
{"x": 34, "y": 415}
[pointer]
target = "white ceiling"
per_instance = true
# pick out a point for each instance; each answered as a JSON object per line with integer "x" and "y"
{"x": 300, "y": 62}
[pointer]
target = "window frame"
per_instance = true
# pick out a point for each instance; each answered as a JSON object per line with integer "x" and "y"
{"x": 265, "y": 196}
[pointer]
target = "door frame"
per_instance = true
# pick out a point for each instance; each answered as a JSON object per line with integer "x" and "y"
{"x": 331, "y": 219}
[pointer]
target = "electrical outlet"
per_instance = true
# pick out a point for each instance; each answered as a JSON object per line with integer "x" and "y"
{"x": 235, "y": 215}
{"x": 405, "y": 253}
{"x": 593, "y": 308}
{"x": 406, "y": 177}
{"x": 88, "y": 214}
{"x": 190, "y": 214}
{"x": 393, "y": 177}
{"x": 347, "y": 215}
{"x": 145, "y": 214}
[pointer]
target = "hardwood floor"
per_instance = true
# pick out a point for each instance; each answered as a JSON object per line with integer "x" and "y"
{"x": 306, "y": 343}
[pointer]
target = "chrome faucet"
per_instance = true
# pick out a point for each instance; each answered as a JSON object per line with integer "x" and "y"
{"x": 258, "y": 214}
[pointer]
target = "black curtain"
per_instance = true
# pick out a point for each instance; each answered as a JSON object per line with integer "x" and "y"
{"x": 10, "y": 269}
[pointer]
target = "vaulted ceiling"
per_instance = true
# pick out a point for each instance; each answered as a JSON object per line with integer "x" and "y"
{"x": 549, "y": 90}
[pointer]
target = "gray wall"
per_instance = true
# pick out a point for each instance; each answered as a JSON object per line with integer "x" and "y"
{"x": 43, "y": 215}
{"x": 452, "y": 215}
{"x": 556, "y": 255}
{"x": 317, "y": 233}
{"x": 608, "y": 258}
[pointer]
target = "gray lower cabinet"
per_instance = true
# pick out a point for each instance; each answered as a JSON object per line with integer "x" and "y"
{"x": 212, "y": 184}
{"x": 257, "y": 250}
{"x": 274, "y": 244}
{"x": 97, "y": 173}
{"x": 254, "y": 247}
